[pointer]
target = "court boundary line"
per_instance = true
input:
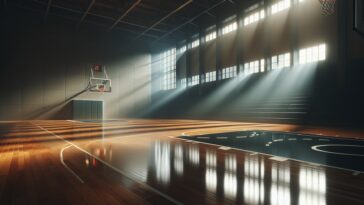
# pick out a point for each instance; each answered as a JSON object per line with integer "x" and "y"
{"x": 283, "y": 132}
{"x": 316, "y": 148}
{"x": 66, "y": 166}
{"x": 111, "y": 166}
{"x": 297, "y": 160}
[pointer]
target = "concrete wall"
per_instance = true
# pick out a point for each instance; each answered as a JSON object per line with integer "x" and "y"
{"x": 45, "y": 65}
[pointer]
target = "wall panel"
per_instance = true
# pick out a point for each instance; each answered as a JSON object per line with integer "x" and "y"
{"x": 48, "y": 65}
{"x": 209, "y": 52}
{"x": 228, "y": 49}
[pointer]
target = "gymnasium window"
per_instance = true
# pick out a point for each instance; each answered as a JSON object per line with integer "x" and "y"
{"x": 195, "y": 80}
{"x": 169, "y": 69}
{"x": 182, "y": 49}
{"x": 211, "y": 36}
{"x": 210, "y": 76}
{"x": 229, "y": 72}
{"x": 195, "y": 43}
{"x": 229, "y": 28}
{"x": 254, "y": 17}
{"x": 262, "y": 65}
{"x": 251, "y": 67}
{"x": 280, "y": 6}
{"x": 281, "y": 61}
{"x": 312, "y": 54}
{"x": 183, "y": 82}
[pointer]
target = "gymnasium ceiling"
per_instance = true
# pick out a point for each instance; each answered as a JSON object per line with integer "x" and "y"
{"x": 143, "y": 19}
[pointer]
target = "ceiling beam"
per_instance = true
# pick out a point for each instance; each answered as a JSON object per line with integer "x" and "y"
{"x": 125, "y": 13}
{"x": 99, "y": 16}
{"x": 48, "y": 8}
{"x": 192, "y": 19}
{"x": 164, "y": 18}
{"x": 86, "y": 12}
{"x": 85, "y": 21}
{"x": 156, "y": 10}
{"x": 203, "y": 7}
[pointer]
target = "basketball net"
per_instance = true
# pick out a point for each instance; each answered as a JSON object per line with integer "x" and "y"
{"x": 328, "y": 7}
{"x": 102, "y": 88}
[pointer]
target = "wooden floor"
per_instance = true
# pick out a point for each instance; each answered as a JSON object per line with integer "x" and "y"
{"x": 141, "y": 162}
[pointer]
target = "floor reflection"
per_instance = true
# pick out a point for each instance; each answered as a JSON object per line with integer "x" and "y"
{"x": 211, "y": 173}
{"x": 230, "y": 180}
{"x": 101, "y": 151}
{"x": 162, "y": 157}
{"x": 312, "y": 186}
{"x": 245, "y": 178}
{"x": 254, "y": 186}
{"x": 254, "y": 179}
{"x": 280, "y": 188}
{"x": 194, "y": 154}
{"x": 131, "y": 161}
{"x": 178, "y": 159}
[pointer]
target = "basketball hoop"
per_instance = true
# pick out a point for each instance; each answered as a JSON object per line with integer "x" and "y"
{"x": 99, "y": 80}
{"x": 101, "y": 88}
{"x": 328, "y": 7}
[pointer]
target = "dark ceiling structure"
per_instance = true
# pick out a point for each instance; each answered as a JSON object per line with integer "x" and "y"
{"x": 152, "y": 20}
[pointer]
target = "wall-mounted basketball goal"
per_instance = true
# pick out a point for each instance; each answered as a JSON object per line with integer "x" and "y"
{"x": 99, "y": 80}
{"x": 89, "y": 109}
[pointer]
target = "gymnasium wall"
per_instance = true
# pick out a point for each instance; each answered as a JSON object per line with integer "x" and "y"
{"x": 316, "y": 93}
{"x": 355, "y": 39}
{"x": 44, "y": 65}
{"x": 354, "y": 44}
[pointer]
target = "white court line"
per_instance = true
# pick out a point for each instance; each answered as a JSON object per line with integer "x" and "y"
{"x": 280, "y": 159}
{"x": 297, "y": 160}
{"x": 240, "y": 137}
{"x": 111, "y": 166}
{"x": 72, "y": 121}
{"x": 77, "y": 121}
{"x": 356, "y": 173}
{"x": 67, "y": 167}
{"x": 316, "y": 148}
{"x": 288, "y": 132}
{"x": 221, "y": 138}
{"x": 224, "y": 148}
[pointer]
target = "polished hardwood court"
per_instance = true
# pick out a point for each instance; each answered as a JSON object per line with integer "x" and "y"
{"x": 135, "y": 161}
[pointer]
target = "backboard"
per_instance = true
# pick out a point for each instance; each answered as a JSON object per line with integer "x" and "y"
{"x": 99, "y": 80}
{"x": 100, "y": 85}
